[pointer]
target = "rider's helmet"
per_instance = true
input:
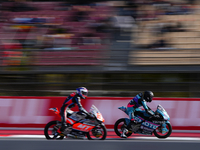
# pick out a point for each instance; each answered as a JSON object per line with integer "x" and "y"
{"x": 82, "y": 92}
{"x": 148, "y": 96}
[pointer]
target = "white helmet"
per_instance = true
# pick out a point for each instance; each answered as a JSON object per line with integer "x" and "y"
{"x": 82, "y": 92}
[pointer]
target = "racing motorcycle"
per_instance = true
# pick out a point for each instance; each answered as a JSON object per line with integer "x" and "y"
{"x": 78, "y": 126}
{"x": 159, "y": 125}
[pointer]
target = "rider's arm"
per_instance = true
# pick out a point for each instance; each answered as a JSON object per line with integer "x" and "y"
{"x": 78, "y": 101}
{"x": 147, "y": 109}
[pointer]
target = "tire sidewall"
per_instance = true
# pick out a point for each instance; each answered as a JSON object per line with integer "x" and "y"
{"x": 47, "y": 127}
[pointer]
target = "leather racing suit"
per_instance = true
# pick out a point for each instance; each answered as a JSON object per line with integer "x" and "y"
{"x": 71, "y": 101}
{"x": 136, "y": 102}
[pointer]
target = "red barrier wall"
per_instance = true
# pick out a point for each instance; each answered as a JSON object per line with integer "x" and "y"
{"x": 33, "y": 111}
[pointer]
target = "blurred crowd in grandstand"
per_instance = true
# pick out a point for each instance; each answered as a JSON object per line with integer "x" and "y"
{"x": 62, "y": 25}
{"x": 54, "y": 46}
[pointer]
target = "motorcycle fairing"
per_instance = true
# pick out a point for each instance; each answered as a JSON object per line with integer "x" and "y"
{"x": 83, "y": 127}
{"x": 123, "y": 108}
{"x": 70, "y": 121}
{"x": 77, "y": 133}
{"x": 76, "y": 117}
{"x": 100, "y": 117}
{"x": 55, "y": 110}
{"x": 164, "y": 114}
{"x": 150, "y": 125}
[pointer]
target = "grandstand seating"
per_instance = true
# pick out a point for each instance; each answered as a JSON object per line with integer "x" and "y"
{"x": 182, "y": 45}
{"x": 165, "y": 57}
{"x": 74, "y": 57}
{"x": 76, "y": 53}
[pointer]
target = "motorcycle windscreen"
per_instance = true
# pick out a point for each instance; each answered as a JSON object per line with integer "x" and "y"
{"x": 162, "y": 111}
{"x": 96, "y": 113}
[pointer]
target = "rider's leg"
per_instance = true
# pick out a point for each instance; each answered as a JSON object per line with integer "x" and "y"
{"x": 133, "y": 125}
{"x": 63, "y": 120}
{"x": 132, "y": 120}
{"x": 130, "y": 111}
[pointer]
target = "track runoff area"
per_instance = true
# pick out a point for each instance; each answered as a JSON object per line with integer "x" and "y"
{"x": 39, "y": 134}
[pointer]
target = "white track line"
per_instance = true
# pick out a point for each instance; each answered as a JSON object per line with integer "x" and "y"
{"x": 169, "y": 138}
{"x": 142, "y": 138}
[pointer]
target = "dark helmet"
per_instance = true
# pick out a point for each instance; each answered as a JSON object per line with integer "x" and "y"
{"x": 148, "y": 96}
{"x": 82, "y": 92}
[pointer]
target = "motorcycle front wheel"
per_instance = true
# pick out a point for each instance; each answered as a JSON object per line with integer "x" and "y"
{"x": 97, "y": 133}
{"x": 119, "y": 126}
{"x": 158, "y": 131}
{"x": 50, "y": 131}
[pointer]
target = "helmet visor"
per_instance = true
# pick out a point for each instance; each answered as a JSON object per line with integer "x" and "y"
{"x": 84, "y": 94}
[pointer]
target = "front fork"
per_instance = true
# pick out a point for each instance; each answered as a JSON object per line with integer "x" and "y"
{"x": 97, "y": 131}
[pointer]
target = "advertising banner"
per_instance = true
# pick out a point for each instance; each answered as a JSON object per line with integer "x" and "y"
{"x": 34, "y": 111}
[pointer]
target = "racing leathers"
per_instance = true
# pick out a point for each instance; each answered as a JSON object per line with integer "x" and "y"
{"x": 136, "y": 102}
{"x": 132, "y": 106}
{"x": 71, "y": 101}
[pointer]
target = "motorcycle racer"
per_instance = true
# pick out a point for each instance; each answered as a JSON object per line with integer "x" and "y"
{"x": 139, "y": 100}
{"x": 71, "y": 101}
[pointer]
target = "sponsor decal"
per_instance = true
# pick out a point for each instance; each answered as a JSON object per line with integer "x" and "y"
{"x": 150, "y": 125}
{"x": 70, "y": 121}
{"x": 33, "y": 111}
{"x": 158, "y": 122}
{"x": 82, "y": 127}
{"x": 145, "y": 128}
{"x": 138, "y": 119}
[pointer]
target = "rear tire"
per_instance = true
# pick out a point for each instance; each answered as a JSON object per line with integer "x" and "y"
{"x": 51, "y": 129}
{"x": 119, "y": 126}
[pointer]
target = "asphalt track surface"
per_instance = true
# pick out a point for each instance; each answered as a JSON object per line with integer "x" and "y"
{"x": 39, "y": 133}
{"x": 35, "y": 140}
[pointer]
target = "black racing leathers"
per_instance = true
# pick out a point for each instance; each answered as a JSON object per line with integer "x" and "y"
{"x": 71, "y": 101}
{"x": 138, "y": 101}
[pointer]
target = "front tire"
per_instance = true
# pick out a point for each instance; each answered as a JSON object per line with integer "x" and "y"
{"x": 119, "y": 126}
{"x": 97, "y": 133}
{"x": 158, "y": 131}
{"x": 50, "y": 131}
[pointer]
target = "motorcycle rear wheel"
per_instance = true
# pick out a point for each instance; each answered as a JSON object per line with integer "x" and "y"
{"x": 119, "y": 126}
{"x": 158, "y": 131}
{"x": 50, "y": 131}
{"x": 99, "y": 129}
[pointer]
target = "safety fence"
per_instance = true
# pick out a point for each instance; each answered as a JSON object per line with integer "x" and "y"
{"x": 33, "y": 112}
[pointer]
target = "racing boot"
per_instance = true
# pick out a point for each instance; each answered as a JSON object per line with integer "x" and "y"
{"x": 123, "y": 135}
